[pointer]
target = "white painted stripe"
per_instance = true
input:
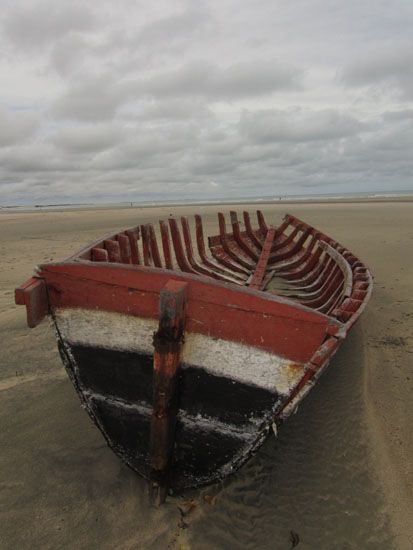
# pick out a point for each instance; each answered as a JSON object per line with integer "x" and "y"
{"x": 239, "y": 362}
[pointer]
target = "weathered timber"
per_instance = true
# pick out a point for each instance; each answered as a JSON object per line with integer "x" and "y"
{"x": 259, "y": 273}
{"x": 33, "y": 295}
{"x": 166, "y": 362}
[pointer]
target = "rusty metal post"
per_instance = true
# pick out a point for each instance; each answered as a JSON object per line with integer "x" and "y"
{"x": 166, "y": 362}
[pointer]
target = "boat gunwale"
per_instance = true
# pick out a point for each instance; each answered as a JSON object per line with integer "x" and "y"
{"x": 262, "y": 294}
{"x": 289, "y": 219}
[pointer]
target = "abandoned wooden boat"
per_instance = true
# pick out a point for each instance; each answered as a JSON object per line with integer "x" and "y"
{"x": 184, "y": 360}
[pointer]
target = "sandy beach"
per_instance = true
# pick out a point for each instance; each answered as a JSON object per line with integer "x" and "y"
{"x": 339, "y": 475}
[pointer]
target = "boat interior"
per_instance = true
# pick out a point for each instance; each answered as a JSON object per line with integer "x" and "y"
{"x": 293, "y": 260}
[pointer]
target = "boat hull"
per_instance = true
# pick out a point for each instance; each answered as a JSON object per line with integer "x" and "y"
{"x": 225, "y": 406}
{"x": 185, "y": 360}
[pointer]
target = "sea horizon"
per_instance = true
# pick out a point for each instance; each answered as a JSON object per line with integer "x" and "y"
{"x": 268, "y": 199}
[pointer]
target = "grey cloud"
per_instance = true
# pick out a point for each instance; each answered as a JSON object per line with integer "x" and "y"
{"x": 38, "y": 24}
{"x": 36, "y": 158}
{"x": 68, "y": 54}
{"x": 176, "y": 110}
{"x": 392, "y": 65}
{"x": 94, "y": 99}
{"x": 87, "y": 139}
{"x": 98, "y": 98}
{"x": 126, "y": 111}
{"x": 241, "y": 80}
{"x": 297, "y": 126}
{"x": 17, "y": 126}
{"x": 176, "y": 26}
{"x": 172, "y": 161}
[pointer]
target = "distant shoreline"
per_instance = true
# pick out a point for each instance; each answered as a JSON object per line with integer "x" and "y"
{"x": 65, "y": 207}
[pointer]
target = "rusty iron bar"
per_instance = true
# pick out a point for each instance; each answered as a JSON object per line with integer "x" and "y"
{"x": 259, "y": 272}
{"x": 167, "y": 342}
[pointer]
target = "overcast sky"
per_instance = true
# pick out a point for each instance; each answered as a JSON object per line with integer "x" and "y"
{"x": 134, "y": 100}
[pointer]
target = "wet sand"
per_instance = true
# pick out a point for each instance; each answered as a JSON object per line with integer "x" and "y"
{"x": 339, "y": 475}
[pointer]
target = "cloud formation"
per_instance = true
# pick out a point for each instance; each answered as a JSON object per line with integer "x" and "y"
{"x": 133, "y": 101}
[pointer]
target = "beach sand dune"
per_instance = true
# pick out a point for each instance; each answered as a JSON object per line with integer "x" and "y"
{"x": 339, "y": 475}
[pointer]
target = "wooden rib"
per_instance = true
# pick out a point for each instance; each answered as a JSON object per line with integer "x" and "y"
{"x": 227, "y": 248}
{"x": 322, "y": 278}
{"x": 178, "y": 248}
{"x": 145, "y": 245}
{"x": 250, "y": 232}
{"x": 261, "y": 222}
{"x": 133, "y": 235}
{"x": 344, "y": 266}
{"x": 222, "y": 258}
{"x": 99, "y": 255}
{"x": 242, "y": 243}
{"x": 318, "y": 291}
{"x": 298, "y": 259}
{"x": 125, "y": 249}
{"x": 154, "y": 246}
{"x": 113, "y": 250}
{"x": 317, "y": 285}
{"x": 190, "y": 253}
{"x": 209, "y": 262}
{"x": 302, "y": 270}
{"x": 166, "y": 245}
{"x": 281, "y": 239}
{"x": 259, "y": 272}
{"x": 286, "y": 253}
{"x": 333, "y": 299}
{"x": 334, "y": 281}
{"x": 314, "y": 275}
{"x": 287, "y": 241}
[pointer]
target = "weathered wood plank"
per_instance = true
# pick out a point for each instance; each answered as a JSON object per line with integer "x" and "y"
{"x": 166, "y": 363}
{"x": 259, "y": 272}
{"x": 33, "y": 295}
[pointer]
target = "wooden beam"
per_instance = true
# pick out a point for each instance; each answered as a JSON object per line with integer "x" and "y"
{"x": 166, "y": 363}
{"x": 259, "y": 272}
{"x": 33, "y": 295}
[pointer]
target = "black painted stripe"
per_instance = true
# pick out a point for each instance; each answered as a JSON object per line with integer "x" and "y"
{"x": 128, "y": 375}
{"x": 201, "y": 454}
